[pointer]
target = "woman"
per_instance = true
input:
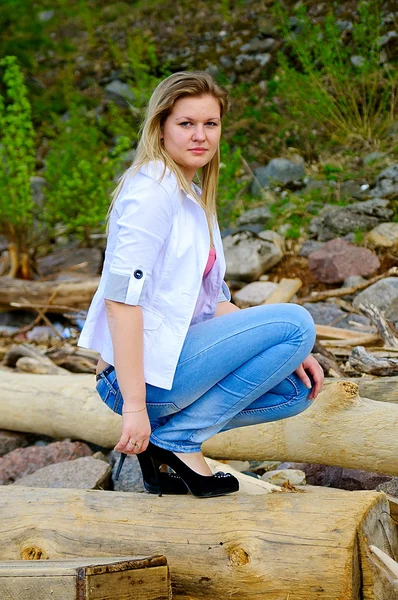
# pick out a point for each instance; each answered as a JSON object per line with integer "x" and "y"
{"x": 179, "y": 361}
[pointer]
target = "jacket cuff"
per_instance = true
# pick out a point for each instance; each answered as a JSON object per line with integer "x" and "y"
{"x": 127, "y": 289}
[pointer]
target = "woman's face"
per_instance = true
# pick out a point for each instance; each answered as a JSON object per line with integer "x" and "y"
{"x": 191, "y": 132}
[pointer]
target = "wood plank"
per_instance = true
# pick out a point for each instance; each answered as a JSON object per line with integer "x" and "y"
{"x": 285, "y": 291}
{"x": 118, "y": 577}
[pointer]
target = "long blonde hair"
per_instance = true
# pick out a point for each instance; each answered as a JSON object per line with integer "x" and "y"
{"x": 178, "y": 85}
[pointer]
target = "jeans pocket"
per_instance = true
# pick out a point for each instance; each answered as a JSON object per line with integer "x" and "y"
{"x": 111, "y": 397}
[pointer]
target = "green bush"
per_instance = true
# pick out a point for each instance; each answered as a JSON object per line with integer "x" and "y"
{"x": 17, "y": 160}
{"x": 80, "y": 172}
{"x": 323, "y": 90}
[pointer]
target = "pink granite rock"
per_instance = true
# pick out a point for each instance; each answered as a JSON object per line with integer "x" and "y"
{"x": 9, "y": 440}
{"x": 23, "y": 461}
{"x": 338, "y": 259}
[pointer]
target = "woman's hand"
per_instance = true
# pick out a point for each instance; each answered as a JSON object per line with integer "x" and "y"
{"x": 136, "y": 430}
{"x": 313, "y": 367}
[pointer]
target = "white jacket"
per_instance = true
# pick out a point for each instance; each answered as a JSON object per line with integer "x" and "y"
{"x": 156, "y": 253}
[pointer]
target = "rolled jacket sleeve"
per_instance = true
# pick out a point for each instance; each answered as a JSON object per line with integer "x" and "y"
{"x": 144, "y": 212}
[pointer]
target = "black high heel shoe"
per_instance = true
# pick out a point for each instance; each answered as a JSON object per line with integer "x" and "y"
{"x": 202, "y": 486}
{"x": 155, "y": 481}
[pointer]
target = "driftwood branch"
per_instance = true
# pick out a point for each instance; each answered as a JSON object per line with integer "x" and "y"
{"x": 387, "y": 330}
{"x": 74, "y": 295}
{"x": 345, "y": 291}
{"x": 363, "y": 361}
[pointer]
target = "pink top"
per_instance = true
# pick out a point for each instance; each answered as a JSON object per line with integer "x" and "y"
{"x": 210, "y": 262}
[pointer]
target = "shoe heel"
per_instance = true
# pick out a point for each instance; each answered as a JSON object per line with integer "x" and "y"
{"x": 120, "y": 464}
{"x": 155, "y": 465}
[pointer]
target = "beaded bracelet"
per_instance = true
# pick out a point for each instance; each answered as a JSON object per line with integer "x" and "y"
{"x": 133, "y": 411}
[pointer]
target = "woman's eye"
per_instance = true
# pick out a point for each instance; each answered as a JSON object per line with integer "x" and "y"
{"x": 185, "y": 123}
{"x": 212, "y": 123}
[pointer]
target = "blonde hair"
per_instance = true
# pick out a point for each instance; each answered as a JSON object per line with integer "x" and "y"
{"x": 150, "y": 148}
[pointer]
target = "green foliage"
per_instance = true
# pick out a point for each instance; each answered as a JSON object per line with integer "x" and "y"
{"x": 321, "y": 87}
{"x": 230, "y": 184}
{"x": 80, "y": 172}
{"x": 17, "y": 156}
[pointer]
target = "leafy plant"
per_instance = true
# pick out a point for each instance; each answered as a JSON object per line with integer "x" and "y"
{"x": 17, "y": 160}
{"x": 325, "y": 86}
{"x": 230, "y": 202}
{"x": 80, "y": 172}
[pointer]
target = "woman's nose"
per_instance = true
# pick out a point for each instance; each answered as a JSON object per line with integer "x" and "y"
{"x": 199, "y": 133}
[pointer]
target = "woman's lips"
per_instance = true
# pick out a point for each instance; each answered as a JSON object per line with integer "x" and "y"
{"x": 197, "y": 150}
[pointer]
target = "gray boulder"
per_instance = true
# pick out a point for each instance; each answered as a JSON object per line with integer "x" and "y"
{"x": 383, "y": 294}
{"x": 386, "y": 183}
{"x": 335, "y": 221}
{"x": 326, "y": 313}
{"x": 85, "y": 473}
{"x": 261, "y": 214}
{"x": 250, "y": 255}
{"x": 278, "y": 171}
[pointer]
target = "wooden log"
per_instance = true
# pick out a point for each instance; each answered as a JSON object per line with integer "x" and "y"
{"x": 340, "y": 428}
{"x": 364, "y": 362}
{"x": 295, "y": 545}
{"x": 285, "y": 291}
{"x": 385, "y": 573}
{"x": 74, "y": 295}
{"x": 387, "y": 330}
{"x": 119, "y": 577}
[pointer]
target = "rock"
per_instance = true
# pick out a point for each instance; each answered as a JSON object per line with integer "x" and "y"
{"x": 373, "y": 157}
{"x": 390, "y": 36}
{"x": 361, "y": 215}
{"x": 60, "y": 260}
{"x": 357, "y": 61}
{"x": 254, "y": 293}
{"x": 9, "y": 440}
{"x": 81, "y": 473}
{"x": 383, "y": 294}
{"x": 249, "y": 256}
{"x": 258, "y": 45}
{"x": 260, "y": 466}
{"x": 278, "y": 171}
{"x": 45, "y": 15}
{"x": 261, "y": 215}
{"x": 338, "y": 259}
{"x": 326, "y": 313}
{"x": 332, "y": 220}
{"x": 310, "y": 246}
{"x": 384, "y": 235}
{"x": 281, "y": 476}
{"x": 130, "y": 478}
{"x": 239, "y": 465}
{"x": 344, "y": 479}
{"x": 24, "y": 461}
{"x": 389, "y": 487}
{"x": 386, "y": 183}
{"x": 119, "y": 92}
{"x": 245, "y": 62}
{"x": 353, "y": 280}
{"x": 351, "y": 189}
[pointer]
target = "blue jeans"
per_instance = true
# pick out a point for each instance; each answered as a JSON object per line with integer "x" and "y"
{"x": 233, "y": 370}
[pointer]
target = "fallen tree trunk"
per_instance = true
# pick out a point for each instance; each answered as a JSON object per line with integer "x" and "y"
{"x": 239, "y": 546}
{"x": 340, "y": 428}
{"x": 64, "y": 295}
